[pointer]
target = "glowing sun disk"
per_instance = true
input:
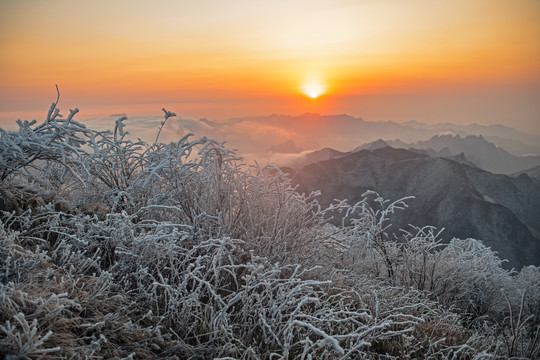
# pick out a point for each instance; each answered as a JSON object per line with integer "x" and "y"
{"x": 313, "y": 90}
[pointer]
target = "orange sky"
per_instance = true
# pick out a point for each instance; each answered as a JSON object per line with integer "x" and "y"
{"x": 428, "y": 60}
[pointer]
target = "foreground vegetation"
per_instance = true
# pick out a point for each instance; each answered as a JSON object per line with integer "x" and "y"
{"x": 114, "y": 248}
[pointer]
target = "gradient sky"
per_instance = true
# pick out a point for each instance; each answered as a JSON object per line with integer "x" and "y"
{"x": 434, "y": 61}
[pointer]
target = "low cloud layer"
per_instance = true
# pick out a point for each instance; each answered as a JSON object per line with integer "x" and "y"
{"x": 253, "y": 137}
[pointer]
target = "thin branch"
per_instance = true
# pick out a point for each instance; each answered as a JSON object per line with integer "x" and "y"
{"x": 168, "y": 114}
{"x": 54, "y": 104}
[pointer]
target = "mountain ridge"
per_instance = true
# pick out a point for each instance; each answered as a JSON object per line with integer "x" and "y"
{"x": 255, "y": 134}
{"x": 476, "y": 149}
{"x": 467, "y": 201}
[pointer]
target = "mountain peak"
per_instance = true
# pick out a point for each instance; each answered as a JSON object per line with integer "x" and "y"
{"x": 287, "y": 147}
{"x": 374, "y": 145}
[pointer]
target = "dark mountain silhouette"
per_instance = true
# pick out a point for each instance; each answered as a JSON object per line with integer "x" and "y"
{"x": 477, "y": 150}
{"x": 532, "y": 172}
{"x": 374, "y": 145}
{"x": 316, "y": 156}
{"x": 287, "y": 147}
{"x": 468, "y": 202}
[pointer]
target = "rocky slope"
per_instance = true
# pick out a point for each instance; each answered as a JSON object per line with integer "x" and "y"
{"x": 468, "y": 202}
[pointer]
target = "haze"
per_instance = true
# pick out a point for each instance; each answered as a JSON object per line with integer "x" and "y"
{"x": 430, "y": 61}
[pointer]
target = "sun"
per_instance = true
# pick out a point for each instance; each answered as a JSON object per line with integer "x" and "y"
{"x": 313, "y": 89}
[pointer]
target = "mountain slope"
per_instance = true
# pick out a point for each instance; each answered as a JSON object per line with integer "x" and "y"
{"x": 287, "y": 147}
{"x": 316, "y": 156}
{"x": 479, "y": 151}
{"x": 532, "y": 172}
{"x": 468, "y": 202}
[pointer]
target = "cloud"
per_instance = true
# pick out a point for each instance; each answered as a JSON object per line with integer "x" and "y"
{"x": 252, "y": 137}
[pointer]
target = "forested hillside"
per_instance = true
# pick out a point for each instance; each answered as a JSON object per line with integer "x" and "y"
{"x": 115, "y": 248}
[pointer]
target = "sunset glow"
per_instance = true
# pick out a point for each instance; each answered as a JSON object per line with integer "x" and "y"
{"x": 313, "y": 89}
{"x": 238, "y": 58}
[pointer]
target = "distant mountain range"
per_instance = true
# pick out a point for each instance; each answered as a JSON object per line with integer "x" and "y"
{"x": 316, "y": 156}
{"x": 467, "y": 201}
{"x": 286, "y": 134}
{"x": 472, "y": 149}
{"x": 287, "y": 147}
{"x": 533, "y": 173}
{"x": 513, "y": 140}
{"x": 476, "y": 149}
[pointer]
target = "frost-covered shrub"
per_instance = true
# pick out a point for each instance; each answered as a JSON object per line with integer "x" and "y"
{"x": 464, "y": 275}
{"x": 528, "y": 280}
{"x": 372, "y": 250}
{"x": 116, "y": 248}
{"x": 218, "y": 197}
{"x": 40, "y": 148}
{"x": 426, "y": 329}
{"x": 469, "y": 276}
{"x": 16, "y": 261}
{"x": 519, "y": 330}
{"x": 224, "y": 301}
{"x": 211, "y": 298}
{"x": 51, "y": 312}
